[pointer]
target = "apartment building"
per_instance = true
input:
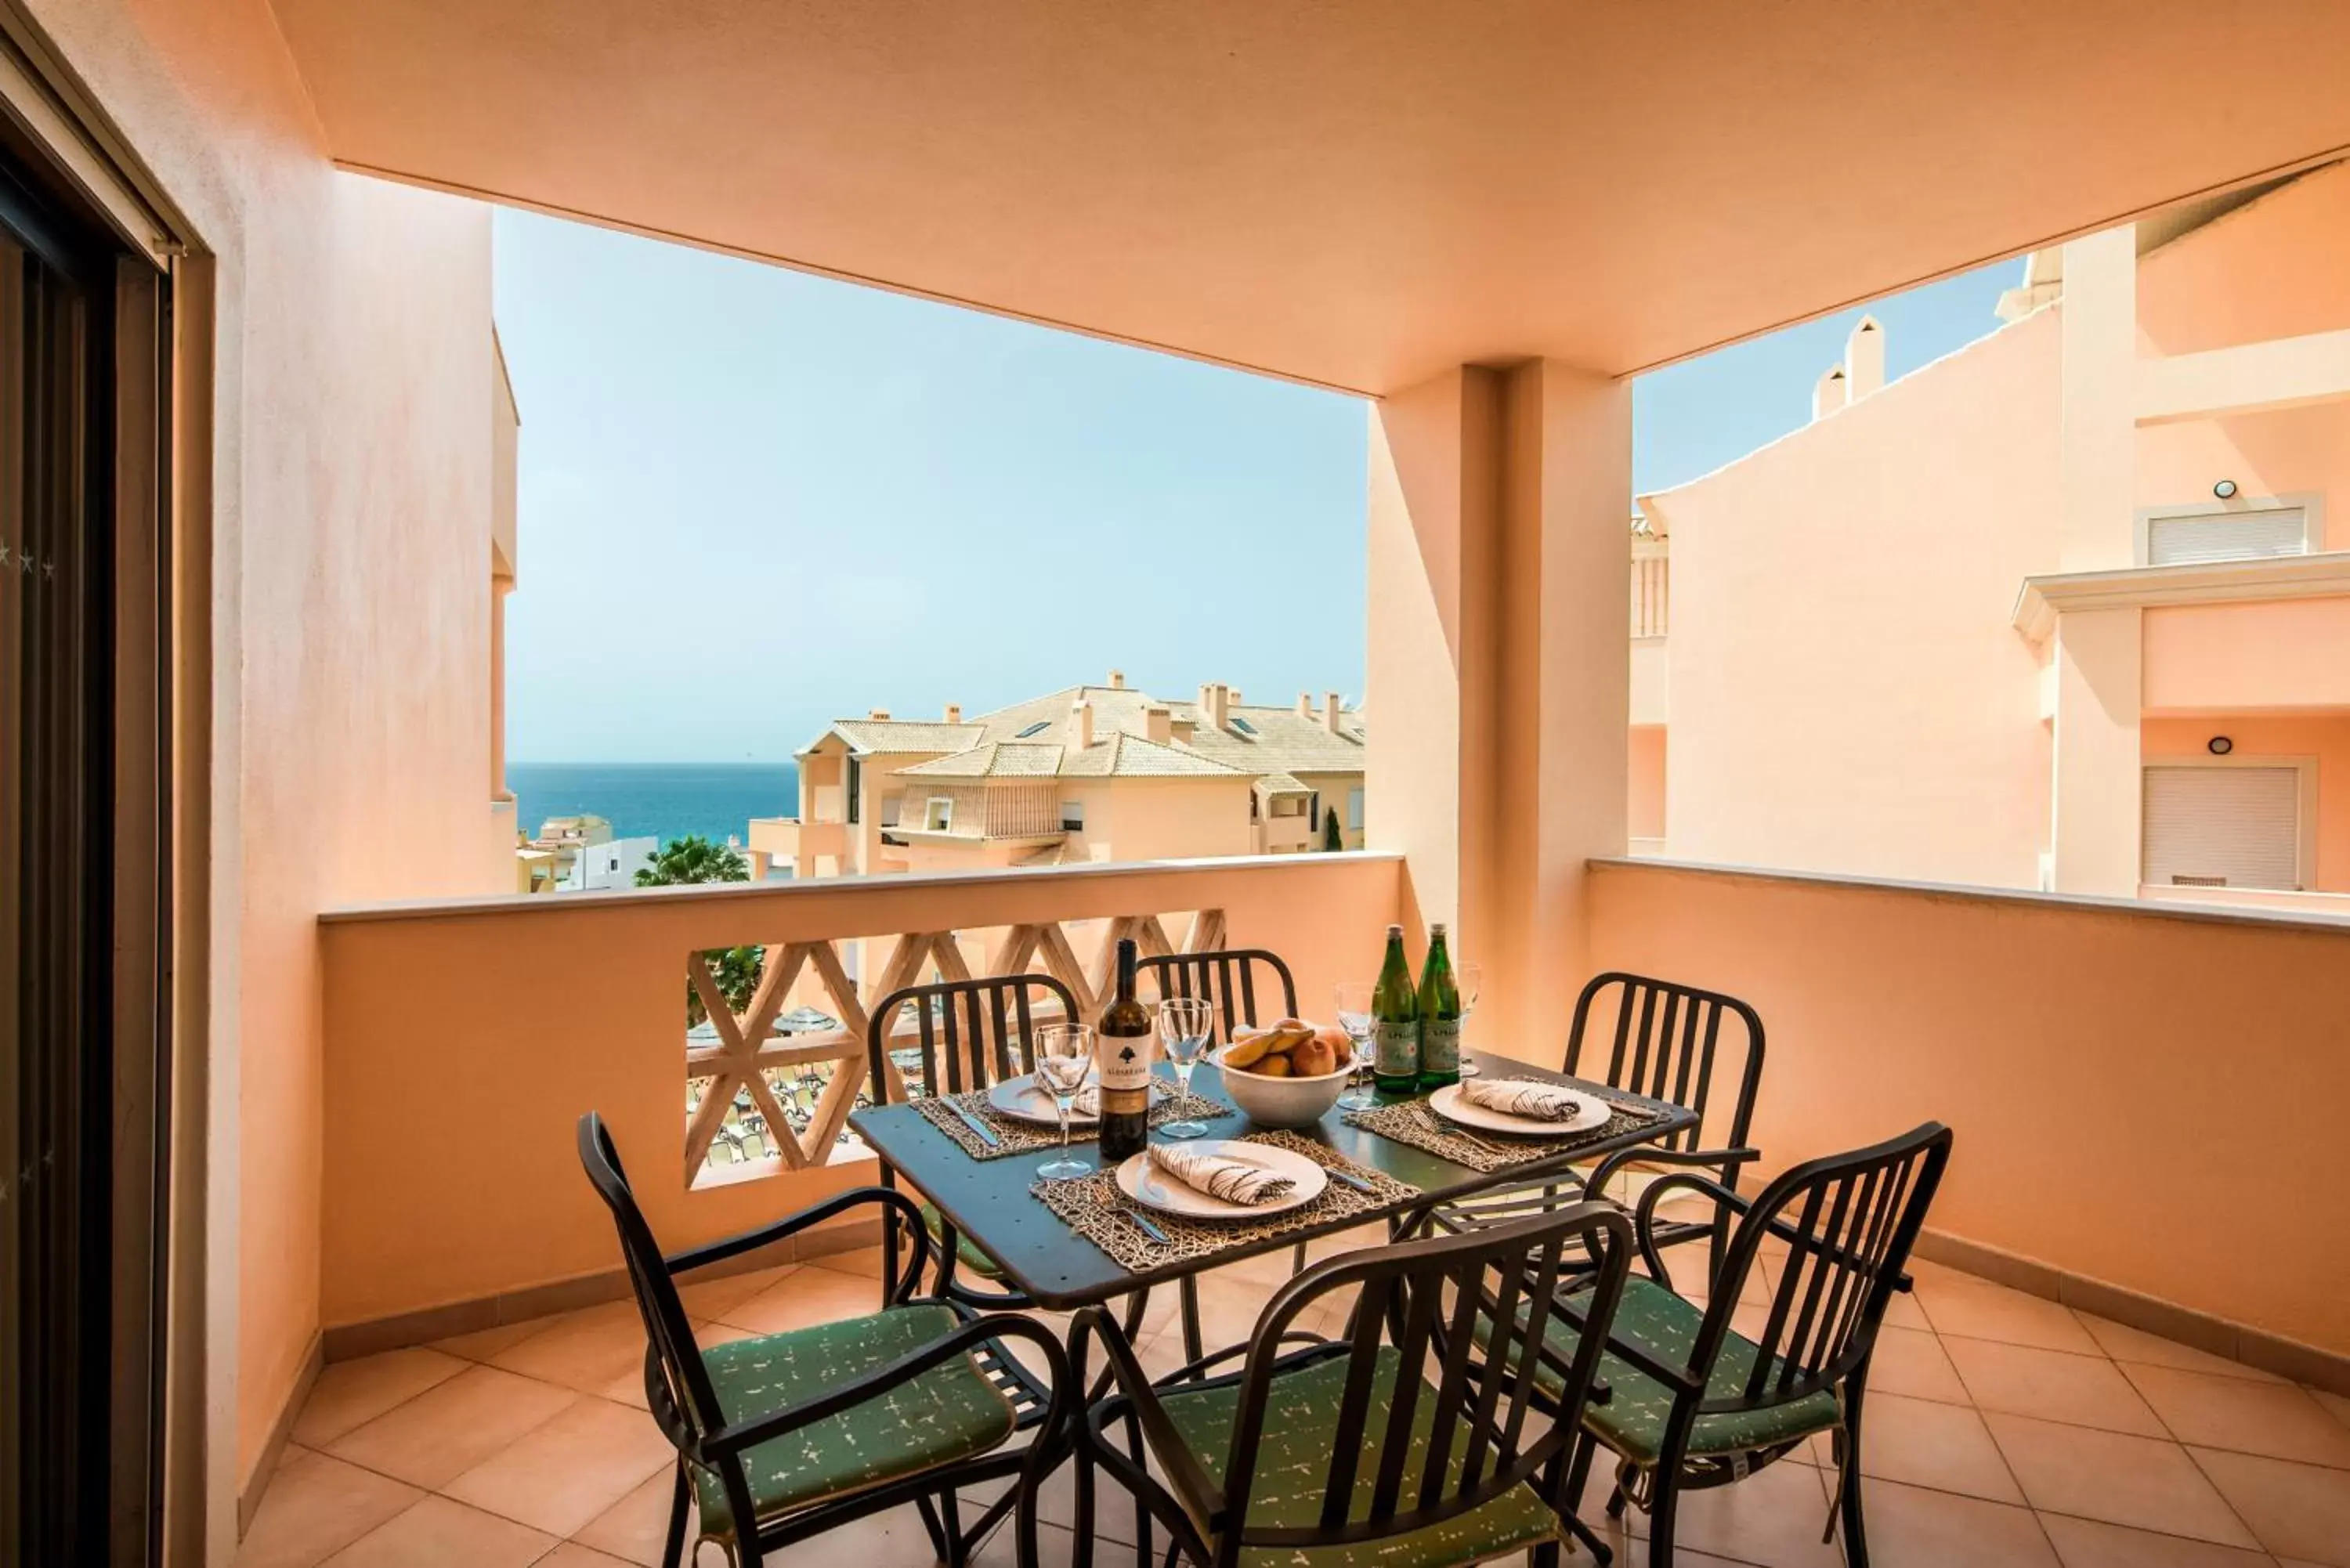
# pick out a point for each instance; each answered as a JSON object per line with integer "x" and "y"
{"x": 2068, "y": 609}
{"x": 1084, "y": 774}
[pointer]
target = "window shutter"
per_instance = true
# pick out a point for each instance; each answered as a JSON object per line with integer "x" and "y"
{"x": 2223, "y": 828}
{"x": 2225, "y": 536}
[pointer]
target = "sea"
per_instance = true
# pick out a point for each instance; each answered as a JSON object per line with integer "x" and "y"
{"x": 656, "y": 800}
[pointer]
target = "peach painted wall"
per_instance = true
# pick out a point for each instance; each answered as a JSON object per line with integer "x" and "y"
{"x": 450, "y": 1092}
{"x": 2287, "y": 653}
{"x": 2073, "y": 1046}
{"x": 2270, "y": 269}
{"x": 1646, "y": 782}
{"x": 1847, "y": 691}
{"x": 350, "y": 510}
{"x": 2326, "y": 737}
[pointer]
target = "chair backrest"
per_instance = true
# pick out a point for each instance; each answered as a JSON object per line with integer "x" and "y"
{"x": 1447, "y": 1337}
{"x": 1667, "y": 1041}
{"x": 690, "y": 1410}
{"x": 1242, "y": 982}
{"x": 1848, "y": 1221}
{"x": 972, "y": 1032}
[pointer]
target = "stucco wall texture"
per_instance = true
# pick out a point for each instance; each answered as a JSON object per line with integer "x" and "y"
{"x": 350, "y": 500}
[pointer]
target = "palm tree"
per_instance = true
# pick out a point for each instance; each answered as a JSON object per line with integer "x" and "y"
{"x": 693, "y": 859}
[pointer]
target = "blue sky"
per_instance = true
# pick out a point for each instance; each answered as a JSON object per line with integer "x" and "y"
{"x": 753, "y": 499}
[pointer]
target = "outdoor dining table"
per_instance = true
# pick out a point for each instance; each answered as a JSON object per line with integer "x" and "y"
{"x": 989, "y": 1201}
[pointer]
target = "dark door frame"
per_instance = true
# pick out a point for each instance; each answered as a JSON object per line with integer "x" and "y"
{"x": 87, "y": 1321}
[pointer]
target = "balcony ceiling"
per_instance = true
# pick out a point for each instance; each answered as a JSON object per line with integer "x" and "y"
{"x": 1357, "y": 193}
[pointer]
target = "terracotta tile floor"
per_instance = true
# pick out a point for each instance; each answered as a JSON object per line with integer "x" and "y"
{"x": 2004, "y": 1430}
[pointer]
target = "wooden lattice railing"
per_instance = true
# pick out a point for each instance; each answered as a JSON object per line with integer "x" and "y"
{"x": 833, "y": 1064}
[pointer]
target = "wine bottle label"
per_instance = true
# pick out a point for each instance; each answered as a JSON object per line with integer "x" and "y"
{"x": 1440, "y": 1044}
{"x": 1395, "y": 1048}
{"x": 1123, "y": 1062}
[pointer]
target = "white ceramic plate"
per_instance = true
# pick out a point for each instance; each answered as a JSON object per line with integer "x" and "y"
{"x": 1021, "y": 1099}
{"x": 1453, "y": 1105}
{"x": 1139, "y": 1180}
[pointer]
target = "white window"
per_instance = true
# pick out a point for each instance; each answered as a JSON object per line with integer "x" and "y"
{"x": 891, "y": 806}
{"x": 939, "y": 816}
{"x": 1355, "y": 808}
{"x": 2227, "y": 826}
{"x": 2178, "y": 536}
{"x": 1073, "y": 817}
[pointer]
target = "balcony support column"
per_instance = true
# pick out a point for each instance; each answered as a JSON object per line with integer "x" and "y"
{"x": 1500, "y": 667}
{"x": 2095, "y": 801}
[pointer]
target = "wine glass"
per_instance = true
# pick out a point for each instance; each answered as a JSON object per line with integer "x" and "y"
{"x": 1466, "y": 978}
{"x": 1185, "y": 1025}
{"x": 1064, "y": 1055}
{"x": 1355, "y": 1018}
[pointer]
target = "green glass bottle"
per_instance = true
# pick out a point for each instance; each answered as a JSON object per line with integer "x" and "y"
{"x": 1440, "y": 1016}
{"x": 1395, "y": 1024}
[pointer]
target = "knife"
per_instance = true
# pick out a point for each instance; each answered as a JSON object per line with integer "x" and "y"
{"x": 986, "y": 1134}
{"x": 1147, "y": 1228}
{"x": 1349, "y": 1179}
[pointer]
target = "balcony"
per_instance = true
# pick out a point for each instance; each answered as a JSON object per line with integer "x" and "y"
{"x": 786, "y": 838}
{"x": 2061, "y": 1357}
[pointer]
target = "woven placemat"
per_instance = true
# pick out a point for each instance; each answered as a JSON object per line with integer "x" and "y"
{"x": 1095, "y": 1209}
{"x": 1412, "y": 1122}
{"x": 1014, "y": 1137}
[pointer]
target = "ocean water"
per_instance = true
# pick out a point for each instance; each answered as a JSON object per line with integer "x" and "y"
{"x": 657, "y": 800}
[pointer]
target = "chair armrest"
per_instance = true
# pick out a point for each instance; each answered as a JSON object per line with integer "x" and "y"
{"x": 1728, "y": 1160}
{"x": 1194, "y": 1488}
{"x": 735, "y": 1437}
{"x": 791, "y": 1224}
{"x": 1644, "y": 1220}
{"x": 1191, "y": 1370}
{"x": 1676, "y": 1377}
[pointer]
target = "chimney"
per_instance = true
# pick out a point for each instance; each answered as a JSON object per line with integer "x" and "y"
{"x": 1232, "y": 696}
{"x": 1828, "y": 394}
{"x": 1117, "y": 680}
{"x": 1864, "y": 359}
{"x": 879, "y": 713}
{"x": 1215, "y": 706}
{"x": 954, "y": 712}
{"x": 1305, "y": 705}
{"x": 1330, "y": 712}
{"x": 1081, "y": 725}
{"x": 1158, "y": 722}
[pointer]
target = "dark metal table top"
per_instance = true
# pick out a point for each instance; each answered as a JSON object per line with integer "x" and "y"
{"x": 988, "y": 1200}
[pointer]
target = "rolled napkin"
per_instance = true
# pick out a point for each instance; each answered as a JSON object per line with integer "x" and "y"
{"x": 1523, "y": 1097}
{"x": 1219, "y": 1176}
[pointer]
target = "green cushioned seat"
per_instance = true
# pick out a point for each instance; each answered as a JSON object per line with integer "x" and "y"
{"x": 966, "y": 1255}
{"x": 950, "y": 1412}
{"x": 1300, "y": 1431}
{"x": 1632, "y": 1422}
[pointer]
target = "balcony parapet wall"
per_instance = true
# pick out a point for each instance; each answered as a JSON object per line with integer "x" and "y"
{"x": 2139, "y": 1090}
{"x": 463, "y": 1039}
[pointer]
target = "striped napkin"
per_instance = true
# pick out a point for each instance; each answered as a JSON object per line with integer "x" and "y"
{"x": 1523, "y": 1097}
{"x": 1218, "y": 1176}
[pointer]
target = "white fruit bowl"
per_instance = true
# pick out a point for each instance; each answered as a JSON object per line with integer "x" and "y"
{"x": 1282, "y": 1102}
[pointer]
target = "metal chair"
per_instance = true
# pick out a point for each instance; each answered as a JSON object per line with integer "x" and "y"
{"x": 1231, "y": 979}
{"x": 1668, "y": 1042}
{"x": 971, "y": 1034}
{"x": 1397, "y": 1441}
{"x": 1696, "y": 1403}
{"x": 783, "y": 1437}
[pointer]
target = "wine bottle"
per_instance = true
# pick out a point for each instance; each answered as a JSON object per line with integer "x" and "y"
{"x": 1122, "y": 1065}
{"x": 1440, "y": 1016}
{"x": 1395, "y": 1024}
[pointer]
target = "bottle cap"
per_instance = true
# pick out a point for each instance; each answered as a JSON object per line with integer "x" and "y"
{"x": 1436, "y": 927}
{"x": 1395, "y": 930}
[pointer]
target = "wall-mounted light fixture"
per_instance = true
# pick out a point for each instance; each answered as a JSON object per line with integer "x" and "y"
{"x": 2218, "y": 745}
{"x": 2225, "y": 490}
